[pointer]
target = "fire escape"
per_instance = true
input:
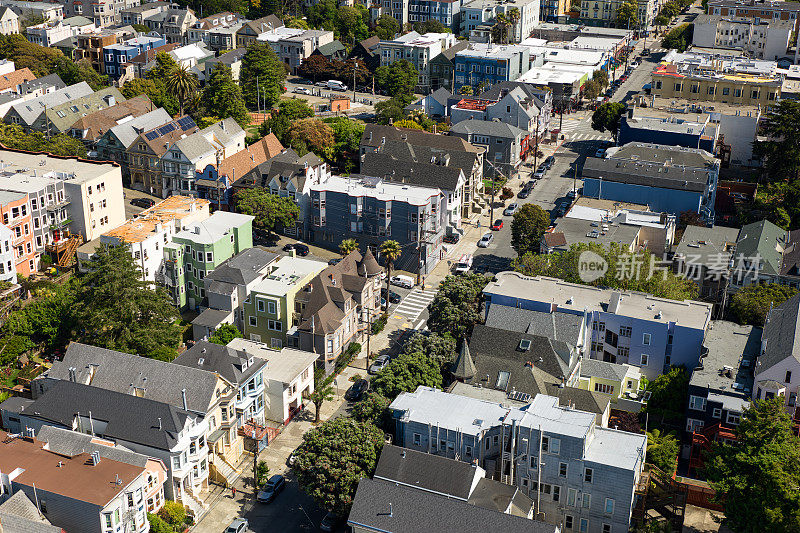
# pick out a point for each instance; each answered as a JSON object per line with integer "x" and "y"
{"x": 659, "y": 498}
{"x": 702, "y": 441}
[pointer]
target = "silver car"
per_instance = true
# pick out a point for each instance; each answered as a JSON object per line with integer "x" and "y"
{"x": 485, "y": 240}
{"x": 511, "y": 209}
{"x": 379, "y": 364}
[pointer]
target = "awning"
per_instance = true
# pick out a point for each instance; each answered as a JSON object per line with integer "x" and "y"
{"x": 216, "y": 436}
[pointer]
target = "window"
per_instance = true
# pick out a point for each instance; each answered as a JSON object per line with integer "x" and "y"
{"x": 584, "y": 525}
{"x": 587, "y": 500}
{"x": 209, "y": 257}
{"x": 646, "y": 339}
{"x": 603, "y": 388}
{"x": 260, "y": 305}
{"x": 726, "y": 91}
{"x": 253, "y": 321}
{"x": 698, "y": 403}
{"x": 606, "y": 528}
{"x": 716, "y": 412}
{"x": 545, "y": 444}
{"x": 272, "y": 307}
{"x": 556, "y": 493}
{"x": 572, "y": 497}
{"x": 562, "y": 469}
{"x": 417, "y": 439}
{"x": 625, "y": 331}
{"x": 733, "y": 418}
{"x": 588, "y": 473}
{"x": 644, "y": 359}
{"x": 788, "y": 377}
{"x": 555, "y": 446}
{"x": 609, "y": 508}
{"x": 568, "y": 520}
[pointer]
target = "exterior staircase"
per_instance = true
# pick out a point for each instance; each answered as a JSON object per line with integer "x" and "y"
{"x": 65, "y": 250}
{"x": 197, "y": 507}
{"x": 225, "y": 470}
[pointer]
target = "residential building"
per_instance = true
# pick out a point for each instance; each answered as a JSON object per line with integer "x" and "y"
{"x": 777, "y": 369}
{"x": 145, "y": 153}
{"x": 447, "y": 12}
{"x": 196, "y": 251}
{"x": 333, "y": 51}
{"x": 172, "y": 23}
{"x": 215, "y": 181}
{"x": 758, "y": 38}
{"x": 442, "y": 67}
{"x": 483, "y": 65}
{"x": 366, "y": 52}
{"x": 704, "y": 256}
{"x": 506, "y": 146}
{"x": 91, "y": 46}
{"x": 720, "y": 387}
{"x": 513, "y": 109}
{"x": 574, "y": 469}
{"x": 31, "y": 114}
{"x": 288, "y": 377}
{"x": 49, "y": 11}
{"x": 399, "y": 10}
{"x": 293, "y": 45}
{"x": 454, "y": 156}
{"x": 113, "y": 145}
{"x": 159, "y": 430}
{"x": 48, "y": 203}
{"x": 71, "y": 443}
{"x": 708, "y": 78}
{"x": 191, "y": 56}
{"x": 251, "y": 29}
{"x": 81, "y": 25}
{"x": 19, "y": 513}
{"x": 60, "y": 118}
{"x": 200, "y": 31}
{"x": 565, "y": 81}
{"x": 604, "y": 12}
{"x": 698, "y": 132}
{"x": 104, "y": 13}
{"x": 140, "y": 65}
{"x": 418, "y": 50}
{"x": 670, "y": 179}
{"x": 757, "y": 10}
{"x": 335, "y": 309}
{"x": 8, "y": 261}
{"x": 23, "y": 259}
{"x": 765, "y": 253}
{"x": 534, "y": 101}
{"x": 555, "y": 32}
{"x": 12, "y": 81}
{"x": 228, "y": 285}
{"x": 632, "y": 227}
{"x": 80, "y": 492}
{"x": 149, "y": 233}
{"x": 185, "y": 156}
{"x": 117, "y": 56}
{"x": 620, "y": 327}
{"x": 232, "y": 60}
{"x": 223, "y": 38}
{"x": 620, "y": 383}
{"x": 477, "y": 18}
{"x": 553, "y": 10}
{"x": 434, "y": 104}
{"x": 94, "y": 189}
{"x": 137, "y": 14}
{"x": 47, "y": 33}
{"x": 91, "y": 127}
{"x": 9, "y": 21}
{"x": 268, "y": 313}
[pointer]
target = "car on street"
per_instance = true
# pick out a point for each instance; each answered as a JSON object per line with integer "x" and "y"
{"x": 524, "y": 193}
{"x": 453, "y": 238}
{"x": 498, "y": 225}
{"x": 143, "y": 202}
{"x": 291, "y": 459}
{"x": 271, "y": 489}
{"x": 335, "y": 261}
{"x": 378, "y": 364}
{"x": 601, "y": 152}
{"x": 485, "y": 240}
{"x": 301, "y": 90}
{"x": 572, "y": 193}
{"x": 330, "y": 523}
{"x": 407, "y": 282}
{"x": 634, "y": 65}
{"x": 531, "y": 184}
{"x": 321, "y": 84}
{"x": 511, "y": 209}
{"x": 393, "y": 296}
{"x": 357, "y": 390}
{"x": 239, "y": 525}
{"x": 300, "y": 249}
{"x": 539, "y": 174}
{"x": 549, "y": 161}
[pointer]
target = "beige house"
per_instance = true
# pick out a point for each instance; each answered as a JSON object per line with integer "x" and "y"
{"x": 9, "y": 21}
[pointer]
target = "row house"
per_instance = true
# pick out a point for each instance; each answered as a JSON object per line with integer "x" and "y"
{"x": 446, "y": 12}
{"x": 172, "y": 24}
{"x": 138, "y": 13}
{"x": 759, "y": 39}
{"x": 9, "y": 21}
{"x": 15, "y": 208}
{"x": 757, "y": 11}
{"x": 604, "y": 12}
{"x": 90, "y": 47}
{"x": 251, "y": 29}
{"x": 47, "y": 33}
{"x": 506, "y": 146}
{"x": 48, "y": 11}
{"x": 777, "y": 369}
{"x": 478, "y": 16}
{"x": 200, "y": 30}
{"x": 418, "y": 50}
{"x": 60, "y": 118}
{"x": 117, "y": 56}
{"x": 483, "y": 65}
{"x": 223, "y": 38}
{"x": 525, "y": 100}
{"x": 114, "y": 143}
{"x": 31, "y": 114}
{"x": 293, "y": 45}
{"x": 104, "y": 13}
{"x": 48, "y": 201}
{"x": 91, "y": 127}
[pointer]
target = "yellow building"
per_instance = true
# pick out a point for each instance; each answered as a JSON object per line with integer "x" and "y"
{"x": 614, "y": 380}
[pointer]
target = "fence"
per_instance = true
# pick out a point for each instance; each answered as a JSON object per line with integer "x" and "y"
{"x": 699, "y": 494}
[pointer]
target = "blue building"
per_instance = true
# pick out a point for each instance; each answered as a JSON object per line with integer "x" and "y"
{"x": 448, "y": 13}
{"x": 116, "y": 56}
{"x": 669, "y": 131}
{"x": 670, "y": 179}
{"x": 483, "y": 65}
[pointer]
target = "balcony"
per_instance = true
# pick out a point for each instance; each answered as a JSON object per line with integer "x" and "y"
{"x": 58, "y": 225}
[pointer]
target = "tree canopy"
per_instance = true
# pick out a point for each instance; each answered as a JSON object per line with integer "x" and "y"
{"x": 262, "y": 76}
{"x": 750, "y": 304}
{"x": 456, "y": 306}
{"x": 606, "y": 117}
{"x": 393, "y": 109}
{"x": 627, "y": 14}
{"x": 222, "y": 97}
{"x": 527, "y": 228}
{"x": 668, "y": 393}
{"x": 399, "y": 77}
{"x": 679, "y": 38}
{"x": 757, "y": 477}
{"x": 405, "y": 373}
{"x": 13, "y": 136}
{"x": 225, "y": 334}
{"x": 662, "y": 450}
{"x": 780, "y": 151}
{"x": 387, "y": 27}
{"x": 311, "y": 135}
{"x": 271, "y": 211}
{"x": 333, "y": 458}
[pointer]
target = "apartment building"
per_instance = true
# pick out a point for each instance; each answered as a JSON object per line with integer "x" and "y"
{"x": 172, "y": 23}
{"x": 31, "y": 114}
{"x": 200, "y": 31}
{"x": 447, "y": 12}
{"x": 145, "y": 153}
{"x": 477, "y": 18}
{"x": 94, "y": 189}
{"x": 579, "y": 474}
{"x": 9, "y": 21}
{"x": 483, "y": 65}
{"x": 117, "y": 56}
{"x": 104, "y": 13}
{"x": 397, "y": 9}
{"x": 48, "y": 204}
{"x": 196, "y": 251}
{"x": 268, "y": 313}
{"x": 621, "y": 327}
{"x": 80, "y": 491}
{"x": 157, "y": 429}
{"x": 23, "y": 258}
{"x": 137, "y": 14}
{"x": 251, "y": 29}
{"x": 506, "y": 146}
{"x": 223, "y": 38}
{"x": 418, "y": 50}
{"x": 90, "y": 47}
{"x": 758, "y": 38}
{"x": 8, "y": 268}
{"x": 777, "y": 370}
{"x": 293, "y": 45}
{"x": 148, "y": 233}
{"x": 702, "y": 77}
{"x": 604, "y": 12}
{"x": 114, "y": 143}
{"x": 47, "y": 33}
{"x": 49, "y": 11}
{"x": 527, "y": 108}
{"x": 757, "y": 10}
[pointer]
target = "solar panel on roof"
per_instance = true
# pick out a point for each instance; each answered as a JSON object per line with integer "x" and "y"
{"x": 186, "y": 123}
{"x": 163, "y": 130}
{"x": 151, "y": 135}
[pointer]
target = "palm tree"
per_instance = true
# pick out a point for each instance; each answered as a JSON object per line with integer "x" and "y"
{"x": 500, "y": 29}
{"x": 320, "y": 395}
{"x": 513, "y": 19}
{"x": 391, "y": 251}
{"x": 347, "y": 246}
{"x": 182, "y": 83}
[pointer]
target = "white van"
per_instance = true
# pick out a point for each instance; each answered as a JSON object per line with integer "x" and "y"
{"x": 336, "y": 85}
{"x": 407, "y": 282}
{"x": 464, "y": 264}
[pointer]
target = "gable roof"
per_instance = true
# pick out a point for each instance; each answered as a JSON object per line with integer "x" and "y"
{"x": 127, "y": 132}
{"x": 765, "y": 239}
{"x": 209, "y": 139}
{"x": 94, "y": 125}
{"x": 243, "y": 267}
{"x": 390, "y": 168}
{"x": 557, "y": 326}
{"x": 451, "y": 52}
{"x": 330, "y": 49}
{"x": 13, "y": 79}
{"x": 19, "y": 514}
{"x": 261, "y": 25}
{"x": 245, "y": 160}
{"x": 497, "y": 496}
{"x": 376, "y": 134}
{"x": 161, "y": 138}
{"x": 491, "y": 128}
{"x": 781, "y": 334}
{"x": 31, "y": 110}
{"x": 62, "y": 116}
{"x": 231, "y": 364}
{"x": 71, "y": 443}
{"x": 127, "y": 373}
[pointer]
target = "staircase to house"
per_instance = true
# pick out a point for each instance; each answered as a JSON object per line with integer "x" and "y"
{"x": 65, "y": 250}
{"x": 225, "y": 472}
{"x": 197, "y": 507}
{"x": 702, "y": 440}
{"x": 658, "y": 492}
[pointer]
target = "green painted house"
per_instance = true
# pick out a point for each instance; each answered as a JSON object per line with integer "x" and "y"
{"x": 198, "y": 249}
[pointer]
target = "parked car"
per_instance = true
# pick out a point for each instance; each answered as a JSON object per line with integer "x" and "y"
{"x": 485, "y": 240}
{"x": 453, "y": 238}
{"x": 239, "y": 525}
{"x": 300, "y": 249}
{"x": 601, "y": 152}
{"x": 301, "y": 90}
{"x": 334, "y": 261}
{"x": 539, "y": 174}
{"x": 400, "y": 280}
{"x": 271, "y": 489}
{"x": 357, "y": 390}
{"x": 143, "y": 202}
{"x": 549, "y": 161}
{"x": 572, "y": 193}
{"x": 336, "y": 85}
{"x": 321, "y": 84}
{"x": 330, "y": 523}
{"x": 291, "y": 459}
{"x": 531, "y": 184}
{"x": 464, "y": 263}
{"x": 378, "y": 364}
{"x": 393, "y": 296}
{"x": 498, "y": 225}
{"x": 524, "y": 193}
{"x": 511, "y": 209}
{"x": 634, "y": 65}
{"x": 305, "y": 81}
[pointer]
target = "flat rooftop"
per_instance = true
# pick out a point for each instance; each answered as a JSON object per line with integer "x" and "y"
{"x": 68, "y": 169}
{"x": 377, "y": 188}
{"x": 283, "y": 366}
{"x": 728, "y": 365}
{"x": 665, "y": 107}
{"x": 576, "y": 230}
{"x": 144, "y": 224}
{"x": 704, "y": 245}
{"x": 288, "y": 273}
{"x": 213, "y": 228}
{"x": 503, "y": 51}
{"x": 575, "y": 298}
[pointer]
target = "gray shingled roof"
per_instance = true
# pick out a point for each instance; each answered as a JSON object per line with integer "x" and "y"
{"x": 781, "y": 334}
{"x": 72, "y": 443}
{"x": 762, "y": 238}
{"x": 211, "y": 317}
{"x": 227, "y": 362}
{"x": 127, "y": 132}
{"x": 603, "y": 369}
{"x": 647, "y": 174}
{"x": 558, "y": 326}
{"x": 30, "y": 110}
{"x": 19, "y": 514}
{"x": 464, "y": 367}
{"x": 384, "y": 166}
{"x": 497, "y": 496}
{"x": 243, "y": 267}
{"x": 491, "y": 128}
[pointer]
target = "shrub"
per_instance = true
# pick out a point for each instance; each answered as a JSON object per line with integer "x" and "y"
{"x": 379, "y": 324}
{"x": 173, "y": 513}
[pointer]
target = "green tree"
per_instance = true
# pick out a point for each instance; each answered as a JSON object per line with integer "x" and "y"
{"x": 140, "y": 28}
{"x": 679, "y": 38}
{"x": 627, "y": 15}
{"x": 295, "y": 109}
{"x": 430, "y": 26}
{"x": 295, "y": 22}
{"x": 223, "y": 96}
{"x": 347, "y": 246}
{"x": 601, "y": 77}
{"x": 160, "y": 74}
{"x": 334, "y": 457}
{"x": 118, "y": 310}
{"x": 662, "y": 450}
{"x": 756, "y": 478}
{"x": 157, "y": 524}
{"x": 513, "y": 19}
{"x": 391, "y": 252}
{"x": 591, "y": 90}
{"x": 750, "y": 304}
{"x": 311, "y": 134}
{"x": 352, "y": 23}
{"x": 323, "y": 392}
{"x": 392, "y": 110}
{"x": 387, "y": 27}
{"x": 374, "y": 408}
{"x": 225, "y": 334}
{"x": 72, "y": 72}
{"x": 780, "y": 152}
{"x": 527, "y": 227}
{"x": 606, "y": 117}
{"x": 668, "y": 393}
{"x": 500, "y": 29}
{"x": 271, "y": 211}
{"x": 399, "y": 77}
{"x": 173, "y": 513}
{"x": 456, "y": 306}
{"x": 262, "y": 76}
{"x": 316, "y": 67}
{"x": 347, "y": 135}
{"x": 442, "y": 348}
{"x": 405, "y": 373}
{"x": 262, "y": 473}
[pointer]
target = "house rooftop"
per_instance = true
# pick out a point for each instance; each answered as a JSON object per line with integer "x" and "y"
{"x": 243, "y": 267}
{"x": 729, "y": 358}
{"x": 18, "y": 513}
{"x": 282, "y": 366}
{"x": 575, "y": 231}
{"x": 148, "y": 222}
{"x": 68, "y": 169}
{"x": 557, "y": 326}
{"x": 765, "y": 240}
{"x": 380, "y": 189}
{"x": 235, "y": 366}
{"x": 781, "y": 334}
{"x": 288, "y": 273}
{"x": 708, "y": 246}
{"x": 214, "y": 228}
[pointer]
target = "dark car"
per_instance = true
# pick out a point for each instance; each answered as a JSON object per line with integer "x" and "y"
{"x": 299, "y": 248}
{"x": 451, "y": 239}
{"x": 143, "y": 202}
{"x": 393, "y": 296}
{"x": 271, "y": 489}
{"x": 335, "y": 261}
{"x": 531, "y": 184}
{"x": 498, "y": 225}
{"x": 549, "y": 161}
{"x": 358, "y": 389}
{"x": 524, "y": 193}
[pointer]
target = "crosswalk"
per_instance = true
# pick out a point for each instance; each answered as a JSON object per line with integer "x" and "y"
{"x": 598, "y": 136}
{"x": 415, "y": 303}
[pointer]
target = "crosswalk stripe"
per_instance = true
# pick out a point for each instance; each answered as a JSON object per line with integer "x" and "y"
{"x": 415, "y": 303}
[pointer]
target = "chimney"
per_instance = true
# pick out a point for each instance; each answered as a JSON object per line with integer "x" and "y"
{"x": 183, "y": 394}
{"x": 159, "y": 423}
{"x": 390, "y": 510}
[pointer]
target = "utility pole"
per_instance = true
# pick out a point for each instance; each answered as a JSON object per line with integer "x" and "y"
{"x": 536, "y": 146}
{"x": 355, "y": 66}
{"x": 255, "y": 461}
